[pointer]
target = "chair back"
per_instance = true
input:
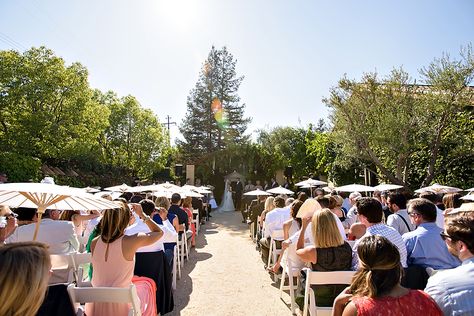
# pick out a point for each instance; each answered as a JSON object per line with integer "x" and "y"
{"x": 106, "y": 294}
{"x": 62, "y": 266}
{"x": 322, "y": 278}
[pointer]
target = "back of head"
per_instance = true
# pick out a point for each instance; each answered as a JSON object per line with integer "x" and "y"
{"x": 371, "y": 208}
{"x": 424, "y": 207}
{"x": 127, "y": 195}
{"x": 162, "y": 201}
{"x": 379, "y": 267}
{"x": 188, "y": 202}
{"x": 279, "y": 202}
{"x": 355, "y": 195}
{"x": 175, "y": 198}
{"x": 24, "y": 276}
{"x": 460, "y": 226}
{"x": 114, "y": 222}
{"x": 148, "y": 206}
{"x": 302, "y": 196}
{"x": 325, "y": 231}
{"x": 289, "y": 201}
{"x": 431, "y": 196}
{"x": 452, "y": 200}
{"x": 269, "y": 203}
{"x": 295, "y": 207}
{"x": 25, "y": 213}
{"x": 399, "y": 199}
{"x": 332, "y": 202}
{"x": 136, "y": 199}
{"x": 323, "y": 201}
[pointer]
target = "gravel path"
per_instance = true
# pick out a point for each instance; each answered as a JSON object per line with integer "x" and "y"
{"x": 225, "y": 275}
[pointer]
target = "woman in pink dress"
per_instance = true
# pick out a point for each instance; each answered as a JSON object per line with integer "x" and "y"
{"x": 188, "y": 207}
{"x": 113, "y": 255}
{"x": 376, "y": 289}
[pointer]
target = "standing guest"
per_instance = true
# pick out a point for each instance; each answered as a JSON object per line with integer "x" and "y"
{"x": 273, "y": 183}
{"x": 266, "y": 185}
{"x": 370, "y": 214}
{"x": 187, "y": 207}
{"x": 453, "y": 290}
{"x": 238, "y": 190}
{"x": 113, "y": 255}
{"x": 397, "y": 204}
{"x": 24, "y": 276}
{"x": 328, "y": 253}
{"x": 376, "y": 289}
{"x": 258, "y": 185}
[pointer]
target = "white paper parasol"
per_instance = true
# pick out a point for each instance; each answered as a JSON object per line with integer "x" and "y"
{"x": 354, "y": 188}
{"x": 257, "y": 192}
{"x": 438, "y": 188}
{"x": 118, "y": 188}
{"x": 280, "y": 190}
{"x": 311, "y": 183}
{"x": 44, "y": 196}
{"x": 387, "y": 187}
{"x": 308, "y": 208}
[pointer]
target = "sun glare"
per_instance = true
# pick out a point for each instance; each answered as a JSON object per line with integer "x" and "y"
{"x": 178, "y": 13}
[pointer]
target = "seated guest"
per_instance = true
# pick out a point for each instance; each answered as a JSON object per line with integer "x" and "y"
{"x": 269, "y": 206}
{"x": 370, "y": 214}
{"x": 163, "y": 202}
{"x": 183, "y": 217}
{"x": 376, "y": 289}
{"x": 274, "y": 221}
{"x": 8, "y": 223}
{"x": 397, "y": 204}
{"x": 169, "y": 237}
{"x": 335, "y": 205}
{"x": 58, "y": 235}
{"x": 351, "y": 216}
{"x": 150, "y": 260}
{"x": 453, "y": 290}
{"x": 328, "y": 253}
{"x": 425, "y": 247}
{"x": 113, "y": 255}
{"x": 24, "y": 276}
{"x": 188, "y": 208}
{"x": 356, "y": 231}
{"x": 77, "y": 219}
{"x": 433, "y": 197}
{"x": 290, "y": 227}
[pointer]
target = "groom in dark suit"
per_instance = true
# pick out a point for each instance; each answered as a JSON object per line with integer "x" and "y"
{"x": 238, "y": 189}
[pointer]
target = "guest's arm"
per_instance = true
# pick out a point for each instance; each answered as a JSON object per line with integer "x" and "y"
{"x": 306, "y": 254}
{"x": 342, "y": 305}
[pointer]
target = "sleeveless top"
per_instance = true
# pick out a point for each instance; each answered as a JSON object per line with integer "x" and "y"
{"x": 115, "y": 272}
{"x": 331, "y": 259}
{"x": 416, "y": 302}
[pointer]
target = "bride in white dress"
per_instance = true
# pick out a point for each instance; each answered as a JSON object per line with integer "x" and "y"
{"x": 227, "y": 204}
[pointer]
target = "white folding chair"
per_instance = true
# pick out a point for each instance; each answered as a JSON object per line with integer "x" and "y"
{"x": 80, "y": 295}
{"x": 183, "y": 244}
{"x": 176, "y": 264}
{"x": 274, "y": 252}
{"x": 62, "y": 268}
{"x": 322, "y": 278}
{"x": 196, "y": 221}
{"x": 289, "y": 270}
{"x": 80, "y": 259}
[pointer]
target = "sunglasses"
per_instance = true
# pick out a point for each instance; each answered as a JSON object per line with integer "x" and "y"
{"x": 446, "y": 236}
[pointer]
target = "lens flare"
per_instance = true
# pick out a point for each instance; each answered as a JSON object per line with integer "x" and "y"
{"x": 221, "y": 118}
{"x": 216, "y": 105}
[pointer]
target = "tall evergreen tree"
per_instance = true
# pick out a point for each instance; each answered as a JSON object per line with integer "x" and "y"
{"x": 215, "y": 116}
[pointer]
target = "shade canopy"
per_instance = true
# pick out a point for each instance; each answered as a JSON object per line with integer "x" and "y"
{"x": 438, "y": 188}
{"x": 310, "y": 183}
{"x": 355, "y": 187}
{"x": 118, "y": 188}
{"x": 469, "y": 197}
{"x": 280, "y": 190}
{"x": 257, "y": 192}
{"x": 387, "y": 187}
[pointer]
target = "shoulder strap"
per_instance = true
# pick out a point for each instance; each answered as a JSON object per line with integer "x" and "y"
{"x": 404, "y": 220}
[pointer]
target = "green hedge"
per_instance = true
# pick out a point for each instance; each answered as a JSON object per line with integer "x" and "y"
{"x": 20, "y": 168}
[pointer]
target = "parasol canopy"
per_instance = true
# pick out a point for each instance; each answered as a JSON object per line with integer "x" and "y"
{"x": 354, "y": 187}
{"x": 438, "y": 188}
{"x": 387, "y": 187}
{"x": 280, "y": 190}
{"x": 44, "y": 196}
{"x": 257, "y": 192}
{"x": 310, "y": 183}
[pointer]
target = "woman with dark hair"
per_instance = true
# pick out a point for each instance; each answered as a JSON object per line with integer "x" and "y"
{"x": 376, "y": 289}
{"x": 451, "y": 201}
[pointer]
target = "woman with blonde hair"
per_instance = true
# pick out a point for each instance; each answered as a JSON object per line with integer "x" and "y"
{"x": 329, "y": 253}
{"x": 376, "y": 289}
{"x": 24, "y": 276}
{"x": 77, "y": 219}
{"x": 113, "y": 254}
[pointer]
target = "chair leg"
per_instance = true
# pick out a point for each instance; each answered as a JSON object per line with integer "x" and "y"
{"x": 282, "y": 281}
{"x": 292, "y": 292}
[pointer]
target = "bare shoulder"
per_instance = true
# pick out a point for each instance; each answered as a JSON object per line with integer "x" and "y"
{"x": 350, "y": 309}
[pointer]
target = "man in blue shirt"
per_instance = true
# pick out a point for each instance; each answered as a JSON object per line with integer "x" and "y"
{"x": 425, "y": 247}
{"x": 453, "y": 290}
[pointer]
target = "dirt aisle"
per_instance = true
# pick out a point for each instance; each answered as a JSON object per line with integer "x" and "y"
{"x": 225, "y": 274}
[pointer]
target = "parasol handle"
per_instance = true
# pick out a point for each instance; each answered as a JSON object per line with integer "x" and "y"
{"x": 39, "y": 212}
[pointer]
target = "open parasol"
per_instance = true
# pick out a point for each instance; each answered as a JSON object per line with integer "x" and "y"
{"x": 280, "y": 190}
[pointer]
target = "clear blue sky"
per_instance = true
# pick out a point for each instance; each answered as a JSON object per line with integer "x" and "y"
{"x": 290, "y": 52}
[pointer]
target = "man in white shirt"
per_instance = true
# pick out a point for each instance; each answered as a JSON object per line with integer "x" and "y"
{"x": 351, "y": 217}
{"x": 58, "y": 235}
{"x": 274, "y": 221}
{"x": 397, "y": 204}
